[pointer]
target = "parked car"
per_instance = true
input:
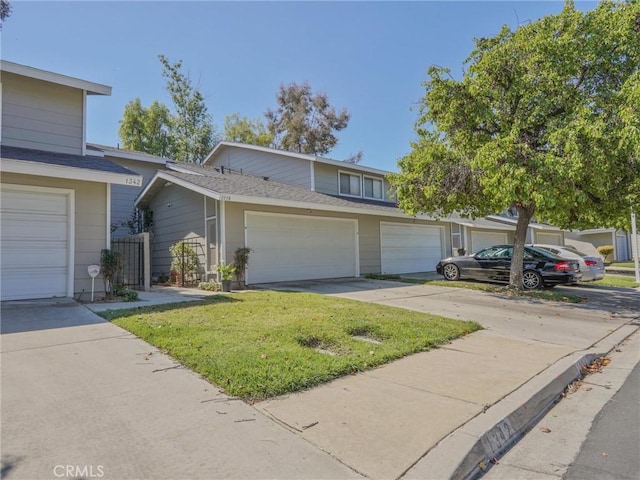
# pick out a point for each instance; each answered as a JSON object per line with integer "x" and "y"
{"x": 540, "y": 269}
{"x": 592, "y": 268}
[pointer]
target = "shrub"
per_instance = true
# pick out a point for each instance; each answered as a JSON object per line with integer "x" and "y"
{"x": 209, "y": 286}
{"x": 605, "y": 251}
{"x": 109, "y": 265}
{"x": 241, "y": 260}
{"x": 125, "y": 293}
{"x": 185, "y": 260}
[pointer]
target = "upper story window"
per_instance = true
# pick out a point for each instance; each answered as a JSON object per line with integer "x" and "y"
{"x": 355, "y": 185}
{"x": 373, "y": 188}
{"x": 350, "y": 184}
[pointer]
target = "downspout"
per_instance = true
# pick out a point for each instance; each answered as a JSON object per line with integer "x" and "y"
{"x": 223, "y": 240}
{"x": 108, "y": 243}
{"x": 313, "y": 176}
{"x": 84, "y": 124}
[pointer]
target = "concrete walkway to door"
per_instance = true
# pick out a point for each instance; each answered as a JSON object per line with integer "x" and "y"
{"x": 82, "y": 398}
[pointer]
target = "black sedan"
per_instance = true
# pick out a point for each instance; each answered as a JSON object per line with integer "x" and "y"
{"x": 493, "y": 264}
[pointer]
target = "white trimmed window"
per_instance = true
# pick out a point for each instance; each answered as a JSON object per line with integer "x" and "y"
{"x": 349, "y": 184}
{"x": 373, "y": 188}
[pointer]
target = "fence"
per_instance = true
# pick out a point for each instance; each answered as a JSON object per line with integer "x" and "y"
{"x": 135, "y": 271}
{"x": 188, "y": 261}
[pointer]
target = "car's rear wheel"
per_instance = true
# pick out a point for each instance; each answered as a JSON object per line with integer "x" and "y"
{"x": 531, "y": 280}
{"x": 451, "y": 272}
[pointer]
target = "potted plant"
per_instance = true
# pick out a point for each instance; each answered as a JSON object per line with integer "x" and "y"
{"x": 226, "y": 275}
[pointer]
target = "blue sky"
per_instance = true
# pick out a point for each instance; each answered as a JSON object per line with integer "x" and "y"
{"x": 370, "y": 57}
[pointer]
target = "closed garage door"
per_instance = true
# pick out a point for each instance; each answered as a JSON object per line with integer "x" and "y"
{"x": 549, "y": 238}
{"x": 296, "y": 247}
{"x": 409, "y": 248}
{"x": 35, "y": 226}
{"x": 481, "y": 240}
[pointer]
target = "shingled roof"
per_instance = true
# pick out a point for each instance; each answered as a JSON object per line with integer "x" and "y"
{"x": 86, "y": 162}
{"x": 242, "y": 187}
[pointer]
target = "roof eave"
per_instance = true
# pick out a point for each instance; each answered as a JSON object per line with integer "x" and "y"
{"x": 91, "y": 88}
{"x": 69, "y": 173}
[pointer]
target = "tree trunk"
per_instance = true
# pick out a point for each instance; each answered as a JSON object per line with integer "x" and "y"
{"x": 524, "y": 217}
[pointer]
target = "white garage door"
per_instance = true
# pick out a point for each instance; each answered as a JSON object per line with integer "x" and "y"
{"x": 407, "y": 248}
{"x": 296, "y": 247}
{"x": 481, "y": 240}
{"x": 549, "y": 238}
{"x": 35, "y": 229}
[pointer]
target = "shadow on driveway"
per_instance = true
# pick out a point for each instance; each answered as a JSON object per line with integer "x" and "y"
{"x": 27, "y": 316}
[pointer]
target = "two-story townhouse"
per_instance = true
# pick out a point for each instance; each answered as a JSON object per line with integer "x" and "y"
{"x": 303, "y": 216}
{"x": 55, "y": 193}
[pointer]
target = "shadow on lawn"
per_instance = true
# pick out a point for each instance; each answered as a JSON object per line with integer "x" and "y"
{"x": 111, "y": 315}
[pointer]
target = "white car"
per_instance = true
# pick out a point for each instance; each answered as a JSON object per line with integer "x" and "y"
{"x": 592, "y": 268}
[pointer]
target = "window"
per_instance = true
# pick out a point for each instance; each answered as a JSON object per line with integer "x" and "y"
{"x": 373, "y": 188}
{"x": 349, "y": 184}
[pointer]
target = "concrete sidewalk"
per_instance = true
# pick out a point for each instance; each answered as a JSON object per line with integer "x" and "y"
{"x": 84, "y": 396}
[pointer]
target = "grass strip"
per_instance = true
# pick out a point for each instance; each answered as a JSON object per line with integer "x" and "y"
{"x": 257, "y": 345}
{"x": 552, "y": 295}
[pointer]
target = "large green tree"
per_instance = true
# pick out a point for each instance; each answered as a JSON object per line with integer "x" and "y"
{"x": 192, "y": 131}
{"x": 184, "y": 133}
{"x": 544, "y": 120}
{"x": 146, "y": 129}
{"x": 305, "y": 122}
{"x": 245, "y": 130}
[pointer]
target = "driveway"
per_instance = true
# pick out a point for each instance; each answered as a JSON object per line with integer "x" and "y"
{"x": 576, "y": 326}
{"x": 82, "y": 398}
{"x": 387, "y": 422}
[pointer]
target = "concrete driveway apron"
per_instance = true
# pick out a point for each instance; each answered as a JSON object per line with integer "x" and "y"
{"x": 82, "y": 398}
{"x": 382, "y": 422}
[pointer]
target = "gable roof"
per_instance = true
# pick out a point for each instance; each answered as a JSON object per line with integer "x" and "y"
{"x": 221, "y": 146}
{"x": 64, "y": 165}
{"x": 91, "y": 88}
{"x": 242, "y": 188}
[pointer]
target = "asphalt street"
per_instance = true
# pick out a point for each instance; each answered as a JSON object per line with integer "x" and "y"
{"x": 612, "y": 447}
{"x": 593, "y": 433}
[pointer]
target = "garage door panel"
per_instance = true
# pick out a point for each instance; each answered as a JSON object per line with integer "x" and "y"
{"x": 48, "y": 282}
{"x": 482, "y": 240}
{"x": 37, "y": 230}
{"x": 296, "y": 247}
{"x": 549, "y": 238}
{"x": 34, "y": 231}
{"x": 407, "y": 248}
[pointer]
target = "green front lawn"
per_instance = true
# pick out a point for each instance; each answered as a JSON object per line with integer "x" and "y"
{"x": 544, "y": 294}
{"x": 622, "y": 264}
{"x": 609, "y": 280}
{"x": 256, "y": 345}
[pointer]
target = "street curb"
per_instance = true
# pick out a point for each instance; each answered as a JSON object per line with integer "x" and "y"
{"x": 490, "y": 434}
